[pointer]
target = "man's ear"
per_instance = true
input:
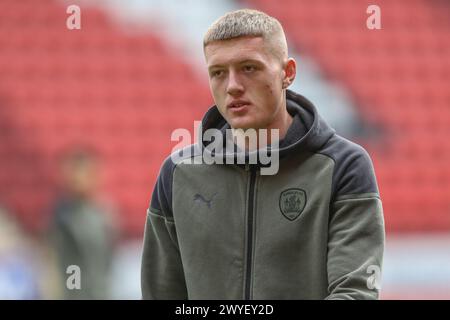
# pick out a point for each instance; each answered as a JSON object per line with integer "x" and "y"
{"x": 290, "y": 70}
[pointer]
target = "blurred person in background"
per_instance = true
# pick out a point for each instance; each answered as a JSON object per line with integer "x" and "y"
{"x": 83, "y": 227}
{"x": 19, "y": 264}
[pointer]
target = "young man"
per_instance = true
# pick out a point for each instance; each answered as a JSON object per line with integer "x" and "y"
{"x": 312, "y": 230}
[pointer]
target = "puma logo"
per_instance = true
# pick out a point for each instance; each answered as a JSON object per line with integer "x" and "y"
{"x": 198, "y": 197}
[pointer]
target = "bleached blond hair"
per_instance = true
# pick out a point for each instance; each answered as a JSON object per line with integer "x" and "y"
{"x": 248, "y": 23}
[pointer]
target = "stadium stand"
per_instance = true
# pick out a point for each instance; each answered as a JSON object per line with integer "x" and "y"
{"x": 400, "y": 76}
{"x": 125, "y": 93}
{"x": 122, "y": 94}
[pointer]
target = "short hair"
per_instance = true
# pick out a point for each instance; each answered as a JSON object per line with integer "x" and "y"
{"x": 245, "y": 23}
{"x": 78, "y": 155}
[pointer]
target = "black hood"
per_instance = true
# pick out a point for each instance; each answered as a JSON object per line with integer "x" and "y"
{"x": 308, "y": 131}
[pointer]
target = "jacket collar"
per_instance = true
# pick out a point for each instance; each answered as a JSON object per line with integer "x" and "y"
{"x": 308, "y": 131}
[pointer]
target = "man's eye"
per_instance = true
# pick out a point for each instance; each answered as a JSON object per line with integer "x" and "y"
{"x": 216, "y": 73}
{"x": 249, "y": 68}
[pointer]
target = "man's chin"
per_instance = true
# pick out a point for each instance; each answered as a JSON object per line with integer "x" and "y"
{"x": 242, "y": 125}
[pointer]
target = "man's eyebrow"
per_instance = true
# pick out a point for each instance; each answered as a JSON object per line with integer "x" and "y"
{"x": 250, "y": 60}
{"x": 237, "y": 62}
{"x": 215, "y": 66}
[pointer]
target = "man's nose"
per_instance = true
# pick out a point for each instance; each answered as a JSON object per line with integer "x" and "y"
{"x": 235, "y": 86}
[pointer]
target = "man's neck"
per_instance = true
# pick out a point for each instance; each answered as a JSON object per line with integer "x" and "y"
{"x": 252, "y": 139}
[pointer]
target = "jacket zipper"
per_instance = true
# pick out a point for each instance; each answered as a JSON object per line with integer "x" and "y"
{"x": 250, "y": 221}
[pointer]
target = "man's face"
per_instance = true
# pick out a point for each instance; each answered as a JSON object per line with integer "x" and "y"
{"x": 246, "y": 82}
{"x": 80, "y": 176}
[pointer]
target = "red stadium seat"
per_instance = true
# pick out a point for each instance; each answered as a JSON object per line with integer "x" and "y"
{"x": 399, "y": 80}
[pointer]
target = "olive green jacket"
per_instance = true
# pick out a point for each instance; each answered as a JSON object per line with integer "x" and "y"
{"x": 314, "y": 230}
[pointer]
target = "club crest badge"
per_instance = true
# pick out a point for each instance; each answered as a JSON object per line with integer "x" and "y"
{"x": 292, "y": 203}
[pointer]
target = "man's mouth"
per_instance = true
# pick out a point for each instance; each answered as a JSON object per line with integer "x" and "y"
{"x": 237, "y": 105}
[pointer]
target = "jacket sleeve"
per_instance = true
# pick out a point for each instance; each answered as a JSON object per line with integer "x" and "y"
{"x": 162, "y": 274}
{"x": 356, "y": 230}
